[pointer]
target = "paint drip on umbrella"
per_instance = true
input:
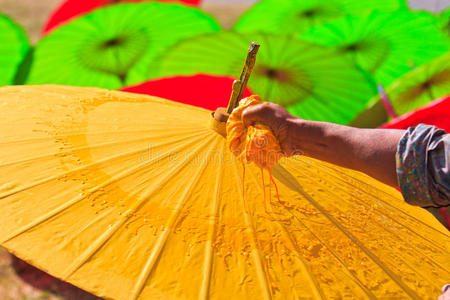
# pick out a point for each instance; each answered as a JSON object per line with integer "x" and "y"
{"x": 256, "y": 144}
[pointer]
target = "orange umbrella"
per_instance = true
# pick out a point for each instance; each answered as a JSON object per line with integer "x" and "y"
{"x": 135, "y": 197}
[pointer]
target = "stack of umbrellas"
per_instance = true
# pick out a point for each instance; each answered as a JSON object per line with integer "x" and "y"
{"x": 322, "y": 60}
{"x": 312, "y": 81}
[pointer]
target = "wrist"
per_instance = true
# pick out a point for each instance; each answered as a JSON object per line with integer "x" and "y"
{"x": 299, "y": 136}
{"x": 316, "y": 139}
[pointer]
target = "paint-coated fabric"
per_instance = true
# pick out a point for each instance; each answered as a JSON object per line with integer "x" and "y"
{"x": 132, "y": 197}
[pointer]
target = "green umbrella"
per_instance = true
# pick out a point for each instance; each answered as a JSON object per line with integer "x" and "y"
{"x": 413, "y": 90}
{"x": 104, "y": 47}
{"x": 293, "y": 16}
{"x": 421, "y": 85}
{"x": 385, "y": 44}
{"x": 312, "y": 82}
{"x": 445, "y": 21}
{"x": 14, "y": 47}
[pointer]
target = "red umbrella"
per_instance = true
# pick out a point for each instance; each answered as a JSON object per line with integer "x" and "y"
{"x": 72, "y": 8}
{"x": 436, "y": 113}
{"x": 205, "y": 91}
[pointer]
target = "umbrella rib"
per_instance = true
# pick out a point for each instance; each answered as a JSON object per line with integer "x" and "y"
{"x": 390, "y": 205}
{"x": 56, "y": 136}
{"x": 387, "y": 203}
{"x": 80, "y": 197}
{"x": 263, "y": 280}
{"x": 7, "y": 194}
{"x": 397, "y": 237}
{"x": 125, "y": 173}
{"x": 213, "y": 219}
{"x": 282, "y": 173}
{"x": 348, "y": 273}
{"x": 312, "y": 280}
{"x": 85, "y": 147}
{"x": 99, "y": 242}
{"x": 327, "y": 246}
{"x": 161, "y": 242}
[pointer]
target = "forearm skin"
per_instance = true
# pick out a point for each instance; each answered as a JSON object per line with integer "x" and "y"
{"x": 371, "y": 151}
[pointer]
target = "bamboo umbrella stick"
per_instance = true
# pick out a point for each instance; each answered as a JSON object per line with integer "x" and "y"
{"x": 240, "y": 85}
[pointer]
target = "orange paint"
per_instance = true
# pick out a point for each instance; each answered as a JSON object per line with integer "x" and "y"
{"x": 338, "y": 233}
{"x": 255, "y": 144}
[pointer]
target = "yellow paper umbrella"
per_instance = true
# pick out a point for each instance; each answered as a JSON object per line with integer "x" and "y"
{"x": 135, "y": 197}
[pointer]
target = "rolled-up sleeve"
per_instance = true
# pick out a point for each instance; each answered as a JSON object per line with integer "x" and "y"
{"x": 423, "y": 163}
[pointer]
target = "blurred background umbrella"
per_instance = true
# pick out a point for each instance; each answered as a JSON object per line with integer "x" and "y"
{"x": 310, "y": 81}
{"x": 413, "y": 90}
{"x": 129, "y": 196}
{"x": 72, "y": 8}
{"x": 445, "y": 21}
{"x": 200, "y": 90}
{"x": 385, "y": 44}
{"x": 13, "y": 49}
{"x": 295, "y": 16}
{"x": 421, "y": 85}
{"x": 103, "y": 47}
{"x": 435, "y": 113}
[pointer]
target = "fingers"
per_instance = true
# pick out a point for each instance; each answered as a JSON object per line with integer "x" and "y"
{"x": 261, "y": 113}
{"x": 251, "y": 115}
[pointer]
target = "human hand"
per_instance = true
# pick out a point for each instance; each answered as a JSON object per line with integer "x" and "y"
{"x": 280, "y": 121}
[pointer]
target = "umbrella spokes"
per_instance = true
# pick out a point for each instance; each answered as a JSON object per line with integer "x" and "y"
{"x": 374, "y": 50}
{"x": 440, "y": 78}
{"x": 116, "y": 54}
{"x": 425, "y": 87}
{"x": 274, "y": 73}
{"x": 113, "y": 42}
{"x": 319, "y": 11}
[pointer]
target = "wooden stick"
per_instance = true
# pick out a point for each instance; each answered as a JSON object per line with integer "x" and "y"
{"x": 240, "y": 85}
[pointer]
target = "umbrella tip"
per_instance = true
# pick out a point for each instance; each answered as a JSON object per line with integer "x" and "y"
{"x": 254, "y": 46}
{"x": 219, "y": 120}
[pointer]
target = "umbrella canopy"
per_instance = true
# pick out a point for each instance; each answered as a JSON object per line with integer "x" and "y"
{"x": 103, "y": 47}
{"x": 310, "y": 81}
{"x": 385, "y": 44}
{"x": 420, "y": 86}
{"x": 284, "y": 16}
{"x": 134, "y": 197}
{"x": 201, "y": 90}
{"x": 13, "y": 49}
{"x": 445, "y": 21}
{"x": 436, "y": 113}
{"x": 72, "y": 8}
